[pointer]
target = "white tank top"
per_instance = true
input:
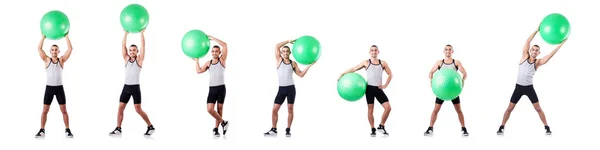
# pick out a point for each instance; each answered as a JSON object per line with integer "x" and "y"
{"x": 374, "y": 74}
{"x": 54, "y": 73}
{"x": 450, "y": 65}
{"x": 217, "y": 73}
{"x": 526, "y": 72}
{"x": 285, "y": 72}
{"x": 132, "y": 72}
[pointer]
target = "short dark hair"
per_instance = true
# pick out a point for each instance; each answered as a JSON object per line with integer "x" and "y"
{"x": 448, "y": 45}
{"x": 536, "y": 46}
{"x": 54, "y": 45}
{"x": 286, "y": 47}
{"x": 374, "y": 46}
{"x": 133, "y": 45}
{"x": 217, "y": 46}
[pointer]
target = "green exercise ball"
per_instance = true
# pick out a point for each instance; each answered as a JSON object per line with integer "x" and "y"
{"x": 134, "y": 18}
{"x": 306, "y": 50}
{"x": 352, "y": 87}
{"x": 195, "y": 44}
{"x": 555, "y": 28}
{"x": 55, "y": 25}
{"x": 446, "y": 84}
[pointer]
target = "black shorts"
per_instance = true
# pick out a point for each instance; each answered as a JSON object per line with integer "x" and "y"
{"x": 454, "y": 101}
{"x": 524, "y": 90}
{"x": 284, "y": 92}
{"x": 51, "y": 91}
{"x": 373, "y": 92}
{"x": 216, "y": 94}
{"x": 131, "y": 91}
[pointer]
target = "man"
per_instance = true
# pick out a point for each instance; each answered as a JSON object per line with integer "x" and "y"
{"x": 528, "y": 66}
{"x": 285, "y": 69}
{"x": 54, "y": 87}
{"x": 451, "y": 63}
{"x": 375, "y": 68}
{"x": 133, "y": 66}
{"x": 217, "y": 91}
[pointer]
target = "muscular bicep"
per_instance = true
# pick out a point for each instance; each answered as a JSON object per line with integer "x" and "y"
{"x": 461, "y": 68}
{"x": 359, "y": 66}
{"x": 435, "y": 66}
{"x": 387, "y": 68}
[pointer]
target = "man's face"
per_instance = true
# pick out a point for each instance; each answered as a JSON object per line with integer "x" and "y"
{"x": 133, "y": 51}
{"x": 216, "y": 52}
{"x": 448, "y": 50}
{"x": 374, "y": 51}
{"x": 285, "y": 52}
{"x": 534, "y": 51}
{"x": 54, "y": 51}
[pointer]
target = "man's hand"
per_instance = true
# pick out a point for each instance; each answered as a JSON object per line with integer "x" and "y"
{"x": 210, "y": 37}
{"x": 292, "y": 41}
{"x": 312, "y": 63}
{"x": 340, "y": 77}
{"x": 382, "y": 87}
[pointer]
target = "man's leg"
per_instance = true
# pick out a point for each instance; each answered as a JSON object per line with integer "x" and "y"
{"x": 461, "y": 117}
{"x": 291, "y": 98}
{"x": 387, "y": 108}
{"x": 123, "y": 100}
{"x": 279, "y": 99}
{"x": 210, "y": 106}
{"x": 120, "y": 114}
{"x": 458, "y": 109}
{"x": 45, "y": 111}
{"x": 220, "y": 101}
{"x": 48, "y": 96}
{"x": 371, "y": 118}
{"x": 370, "y": 97}
{"x": 275, "y": 115}
{"x": 434, "y": 114}
{"x": 532, "y": 95}
{"x": 514, "y": 99}
{"x": 540, "y": 112}
{"x": 511, "y": 107}
{"x": 61, "y": 99}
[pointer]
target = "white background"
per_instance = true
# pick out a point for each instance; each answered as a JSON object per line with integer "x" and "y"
{"x": 487, "y": 37}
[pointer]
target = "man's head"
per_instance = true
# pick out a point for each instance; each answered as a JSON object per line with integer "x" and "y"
{"x": 54, "y": 50}
{"x": 216, "y": 51}
{"x": 448, "y": 50}
{"x": 133, "y": 50}
{"x": 285, "y": 52}
{"x": 534, "y": 51}
{"x": 374, "y": 51}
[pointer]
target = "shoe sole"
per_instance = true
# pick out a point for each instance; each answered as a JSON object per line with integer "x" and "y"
{"x": 225, "y": 127}
{"x": 150, "y": 132}
{"x": 499, "y": 133}
{"x": 275, "y": 134}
